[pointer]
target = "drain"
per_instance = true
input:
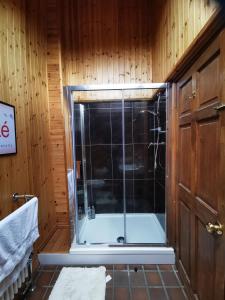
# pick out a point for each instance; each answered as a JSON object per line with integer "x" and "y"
{"x": 120, "y": 239}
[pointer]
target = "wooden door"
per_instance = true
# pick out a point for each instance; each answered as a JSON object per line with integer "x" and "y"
{"x": 201, "y": 179}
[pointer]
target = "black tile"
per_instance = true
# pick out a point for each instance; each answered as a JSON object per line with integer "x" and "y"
{"x": 159, "y": 198}
{"x": 129, "y": 162}
{"x": 101, "y": 162}
{"x": 143, "y": 161}
{"x": 143, "y": 196}
{"x": 117, "y": 157}
{"x": 117, "y": 197}
{"x": 143, "y": 122}
{"x": 102, "y": 196}
{"x": 116, "y": 122}
{"x": 87, "y": 140}
{"x": 88, "y": 157}
{"x": 129, "y": 189}
{"x": 128, "y": 125}
{"x": 100, "y": 129}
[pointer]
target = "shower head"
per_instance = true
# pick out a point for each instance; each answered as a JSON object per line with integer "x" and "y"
{"x": 150, "y": 112}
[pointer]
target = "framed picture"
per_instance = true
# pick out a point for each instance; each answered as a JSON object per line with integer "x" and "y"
{"x": 7, "y": 129}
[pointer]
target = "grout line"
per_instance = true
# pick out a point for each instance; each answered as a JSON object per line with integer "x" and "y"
{"x": 129, "y": 283}
{"x": 146, "y": 283}
{"x": 44, "y": 296}
{"x": 175, "y": 273}
{"x": 163, "y": 284}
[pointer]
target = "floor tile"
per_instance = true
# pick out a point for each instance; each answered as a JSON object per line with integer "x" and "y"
{"x": 139, "y": 294}
{"x": 176, "y": 294}
{"x": 109, "y": 283}
{"x": 137, "y": 278}
{"x": 37, "y": 294}
{"x": 157, "y": 294}
{"x": 47, "y": 294}
{"x": 135, "y": 268}
{"x": 121, "y": 294}
{"x": 150, "y": 267}
{"x": 166, "y": 267}
{"x": 55, "y": 277}
{"x": 109, "y": 294}
{"x": 121, "y": 278}
{"x": 128, "y": 282}
{"x": 153, "y": 279}
{"x": 169, "y": 279}
{"x": 120, "y": 267}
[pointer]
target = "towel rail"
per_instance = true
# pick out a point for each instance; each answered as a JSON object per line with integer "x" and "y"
{"x": 16, "y": 197}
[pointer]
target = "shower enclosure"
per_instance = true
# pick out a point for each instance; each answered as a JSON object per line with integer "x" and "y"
{"x": 119, "y": 157}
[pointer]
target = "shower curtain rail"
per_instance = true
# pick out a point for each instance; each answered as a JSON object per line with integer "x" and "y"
{"x": 131, "y": 86}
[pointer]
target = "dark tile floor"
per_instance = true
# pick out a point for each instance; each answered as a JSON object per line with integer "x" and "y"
{"x": 133, "y": 282}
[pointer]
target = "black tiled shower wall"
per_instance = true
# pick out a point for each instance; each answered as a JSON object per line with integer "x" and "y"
{"x": 144, "y": 186}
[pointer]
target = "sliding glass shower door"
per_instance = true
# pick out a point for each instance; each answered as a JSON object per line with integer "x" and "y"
{"x": 99, "y": 161}
{"x": 120, "y": 169}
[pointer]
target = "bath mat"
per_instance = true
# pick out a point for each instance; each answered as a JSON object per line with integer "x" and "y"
{"x": 80, "y": 284}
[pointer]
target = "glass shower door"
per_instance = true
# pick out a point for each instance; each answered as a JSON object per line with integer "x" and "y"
{"x": 144, "y": 131}
{"x": 99, "y": 161}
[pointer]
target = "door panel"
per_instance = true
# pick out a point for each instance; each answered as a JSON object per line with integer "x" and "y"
{"x": 201, "y": 192}
{"x": 185, "y": 222}
{"x": 207, "y": 160}
{"x": 185, "y": 157}
{"x": 205, "y": 262}
{"x": 209, "y": 80}
{"x": 185, "y": 97}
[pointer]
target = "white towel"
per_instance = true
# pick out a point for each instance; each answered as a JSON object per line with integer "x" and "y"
{"x": 18, "y": 232}
{"x": 80, "y": 284}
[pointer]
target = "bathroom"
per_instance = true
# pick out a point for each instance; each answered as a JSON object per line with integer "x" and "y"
{"x": 118, "y": 133}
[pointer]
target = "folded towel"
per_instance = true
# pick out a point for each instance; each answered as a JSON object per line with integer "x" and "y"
{"x": 80, "y": 284}
{"x": 18, "y": 232}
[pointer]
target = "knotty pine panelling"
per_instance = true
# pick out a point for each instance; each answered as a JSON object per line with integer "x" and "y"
{"x": 106, "y": 42}
{"x": 57, "y": 123}
{"x": 23, "y": 83}
{"x": 176, "y": 24}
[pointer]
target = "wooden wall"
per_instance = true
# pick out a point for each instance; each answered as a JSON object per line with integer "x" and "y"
{"x": 57, "y": 124}
{"x": 176, "y": 24}
{"x": 106, "y": 42}
{"x": 23, "y": 83}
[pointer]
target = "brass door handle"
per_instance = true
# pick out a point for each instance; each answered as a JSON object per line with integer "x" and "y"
{"x": 215, "y": 228}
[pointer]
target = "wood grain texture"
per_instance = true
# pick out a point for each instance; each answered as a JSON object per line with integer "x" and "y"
{"x": 23, "y": 83}
{"x": 59, "y": 242}
{"x": 106, "y": 42}
{"x": 57, "y": 124}
{"x": 177, "y": 23}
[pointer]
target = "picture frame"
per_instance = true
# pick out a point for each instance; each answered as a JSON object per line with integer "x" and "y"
{"x": 8, "y": 143}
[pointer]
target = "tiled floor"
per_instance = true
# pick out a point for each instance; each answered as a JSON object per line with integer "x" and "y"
{"x": 134, "y": 282}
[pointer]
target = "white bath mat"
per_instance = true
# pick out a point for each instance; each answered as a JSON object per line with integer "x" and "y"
{"x": 80, "y": 284}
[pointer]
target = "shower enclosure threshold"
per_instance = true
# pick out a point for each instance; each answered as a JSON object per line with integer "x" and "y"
{"x": 103, "y": 254}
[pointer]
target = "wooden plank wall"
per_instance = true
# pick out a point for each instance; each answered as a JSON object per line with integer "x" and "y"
{"x": 106, "y": 42}
{"x": 176, "y": 24}
{"x": 57, "y": 124}
{"x": 23, "y": 83}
